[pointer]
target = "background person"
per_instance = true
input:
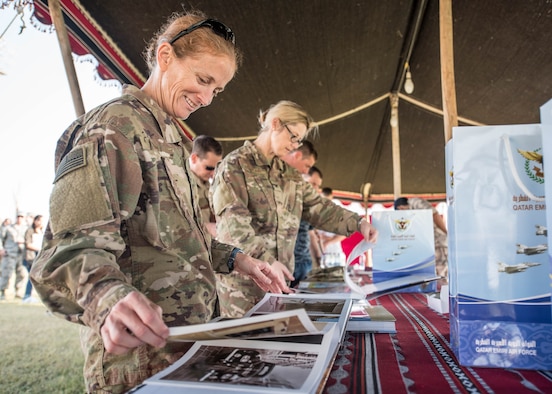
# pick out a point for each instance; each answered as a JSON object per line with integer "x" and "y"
{"x": 303, "y": 159}
{"x": 5, "y": 224}
{"x": 306, "y": 245}
{"x": 13, "y": 241}
{"x": 206, "y": 154}
{"x": 126, "y": 253}
{"x": 330, "y": 243}
{"x": 328, "y": 193}
{"x": 259, "y": 201}
{"x": 33, "y": 243}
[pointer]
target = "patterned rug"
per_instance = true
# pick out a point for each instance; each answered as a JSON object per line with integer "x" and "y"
{"x": 418, "y": 359}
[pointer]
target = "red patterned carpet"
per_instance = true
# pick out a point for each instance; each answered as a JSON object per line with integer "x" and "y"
{"x": 418, "y": 359}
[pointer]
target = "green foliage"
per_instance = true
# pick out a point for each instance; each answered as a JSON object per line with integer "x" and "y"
{"x": 40, "y": 353}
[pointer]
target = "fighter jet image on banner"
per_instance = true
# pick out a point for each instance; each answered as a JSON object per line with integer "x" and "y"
{"x": 529, "y": 250}
{"x": 515, "y": 268}
{"x": 541, "y": 230}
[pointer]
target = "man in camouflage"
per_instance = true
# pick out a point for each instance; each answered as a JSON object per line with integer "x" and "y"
{"x": 303, "y": 159}
{"x": 12, "y": 246}
{"x": 206, "y": 154}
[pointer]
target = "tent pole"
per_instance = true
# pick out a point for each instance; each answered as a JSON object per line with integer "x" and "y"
{"x": 63, "y": 39}
{"x": 395, "y": 144}
{"x": 448, "y": 89}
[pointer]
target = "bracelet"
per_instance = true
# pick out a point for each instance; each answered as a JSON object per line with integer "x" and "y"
{"x": 232, "y": 258}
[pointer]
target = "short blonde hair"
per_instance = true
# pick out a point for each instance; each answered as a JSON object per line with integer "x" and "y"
{"x": 289, "y": 113}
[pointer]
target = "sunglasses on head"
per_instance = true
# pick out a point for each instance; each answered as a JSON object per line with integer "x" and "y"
{"x": 217, "y": 27}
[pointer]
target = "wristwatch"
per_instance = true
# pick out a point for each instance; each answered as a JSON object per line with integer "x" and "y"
{"x": 232, "y": 258}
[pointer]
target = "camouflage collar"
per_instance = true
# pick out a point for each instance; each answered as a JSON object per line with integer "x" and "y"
{"x": 169, "y": 130}
{"x": 260, "y": 159}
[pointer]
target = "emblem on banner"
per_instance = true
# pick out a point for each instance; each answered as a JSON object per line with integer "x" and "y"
{"x": 533, "y": 164}
{"x": 402, "y": 224}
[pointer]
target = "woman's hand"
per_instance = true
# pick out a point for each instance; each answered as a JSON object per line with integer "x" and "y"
{"x": 368, "y": 231}
{"x": 133, "y": 321}
{"x": 270, "y": 278}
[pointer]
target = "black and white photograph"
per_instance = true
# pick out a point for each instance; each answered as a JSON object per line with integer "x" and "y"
{"x": 254, "y": 367}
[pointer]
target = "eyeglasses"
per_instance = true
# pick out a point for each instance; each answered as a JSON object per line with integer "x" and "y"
{"x": 217, "y": 27}
{"x": 209, "y": 168}
{"x": 294, "y": 137}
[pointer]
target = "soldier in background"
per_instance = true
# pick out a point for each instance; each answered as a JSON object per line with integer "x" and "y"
{"x": 206, "y": 154}
{"x": 303, "y": 159}
{"x": 13, "y": 244}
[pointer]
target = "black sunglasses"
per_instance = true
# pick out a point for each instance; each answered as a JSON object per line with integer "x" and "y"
{"x": 209, "y": 168}
{"x": 217, "y": 27}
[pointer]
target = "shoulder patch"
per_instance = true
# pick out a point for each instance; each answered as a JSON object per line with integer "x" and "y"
{"x": 72, "y": 160}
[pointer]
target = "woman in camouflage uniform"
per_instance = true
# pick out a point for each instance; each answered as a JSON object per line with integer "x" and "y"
{"x": 259, "y": 201}
{"x": 126, "y": 253}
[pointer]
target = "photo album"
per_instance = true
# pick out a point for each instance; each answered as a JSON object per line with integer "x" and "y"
{"x": 280, "y": 346}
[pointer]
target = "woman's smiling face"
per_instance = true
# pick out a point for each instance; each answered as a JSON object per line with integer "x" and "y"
{"x": 192, "y": 82}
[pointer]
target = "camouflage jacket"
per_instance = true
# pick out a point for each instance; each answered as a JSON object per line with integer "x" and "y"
{"x": 124, "y": 216}
{"x": 259, "y": 204}
{"x": 204, "y": 204}
{"x": 13, "y": 239}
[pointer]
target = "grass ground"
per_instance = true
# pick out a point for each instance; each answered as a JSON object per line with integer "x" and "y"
{"x": 39, "y": 353}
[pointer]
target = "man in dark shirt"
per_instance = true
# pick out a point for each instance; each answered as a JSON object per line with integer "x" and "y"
{"x": 302, "y": 251}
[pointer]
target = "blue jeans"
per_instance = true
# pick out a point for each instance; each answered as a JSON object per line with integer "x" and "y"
{"x": 302, "y": 268}
{"x": 29, "y": 288}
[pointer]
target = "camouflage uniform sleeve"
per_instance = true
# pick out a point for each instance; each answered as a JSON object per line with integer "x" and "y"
{"x": 419, "y": 203}
{"x": 221, "y": 254}
{"x": 97, "y": 184}
{"x": 230, "y": 199}
{"x": 322, "y": 213}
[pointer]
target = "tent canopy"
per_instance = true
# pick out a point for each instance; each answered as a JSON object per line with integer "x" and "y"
{"x": 340, "y": 60}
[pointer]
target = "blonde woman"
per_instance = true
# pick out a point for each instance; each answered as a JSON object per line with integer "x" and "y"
{"x": 259, "y": 201}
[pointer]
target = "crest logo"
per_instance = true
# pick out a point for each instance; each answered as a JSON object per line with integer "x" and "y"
{"x": 402, "y": 224}
{"x": 533, "y": 165}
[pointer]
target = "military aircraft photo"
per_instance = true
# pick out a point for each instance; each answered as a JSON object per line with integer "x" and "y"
{"x": 529, "y": 250}
{"x": 515, "y": 268}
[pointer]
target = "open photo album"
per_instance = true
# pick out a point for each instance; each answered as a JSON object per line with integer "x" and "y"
{"x": 279, "y": 347}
